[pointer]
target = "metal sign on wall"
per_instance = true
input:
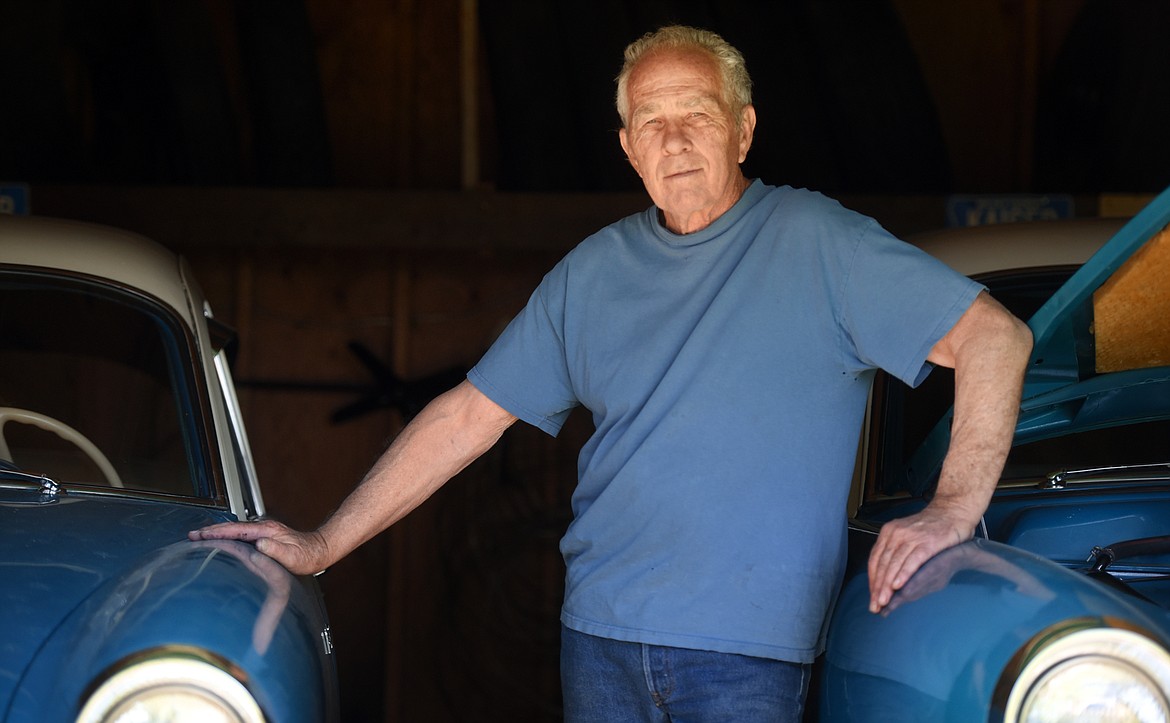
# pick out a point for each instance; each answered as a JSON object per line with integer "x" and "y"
{"x": 979, "y": 210}
{"x": 14, "y": 199}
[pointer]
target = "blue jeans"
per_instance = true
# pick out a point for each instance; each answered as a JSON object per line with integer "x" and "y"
{"x": 610, "y": 681}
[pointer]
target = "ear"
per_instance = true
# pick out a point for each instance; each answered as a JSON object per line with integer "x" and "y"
{"x": 747, "y": 131}
{"x": 624, "y": 139}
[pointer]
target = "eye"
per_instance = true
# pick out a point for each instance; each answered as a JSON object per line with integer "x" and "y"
{"x": 648, "y": 126}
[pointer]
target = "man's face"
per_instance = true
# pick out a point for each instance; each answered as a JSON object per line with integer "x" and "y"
{"x": 682, "y": 139}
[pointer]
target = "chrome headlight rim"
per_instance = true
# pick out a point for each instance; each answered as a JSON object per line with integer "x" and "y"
{"x": 149, "y": 678}
{"x": 1109, "y": 645}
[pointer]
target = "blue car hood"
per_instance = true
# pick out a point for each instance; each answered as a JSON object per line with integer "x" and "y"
{"x": 1086, "y": 340}
{"x": 55, "y": 555}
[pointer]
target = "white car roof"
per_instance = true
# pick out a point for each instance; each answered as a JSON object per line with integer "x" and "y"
{"x": 1000, "y": 247}
{"x": 98, "y": 251}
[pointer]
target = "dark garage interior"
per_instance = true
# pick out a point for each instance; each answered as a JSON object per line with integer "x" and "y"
{"x": 369, "y": 190}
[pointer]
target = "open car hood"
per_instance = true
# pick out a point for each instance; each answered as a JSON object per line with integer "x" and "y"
{"x": 1101, "y": 341}
{"x": 1113, "y": 314}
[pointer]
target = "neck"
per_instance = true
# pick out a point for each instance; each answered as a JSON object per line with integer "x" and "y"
{"x": 702, "y": 218}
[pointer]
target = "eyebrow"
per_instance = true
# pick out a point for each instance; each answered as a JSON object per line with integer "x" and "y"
{"x": 695, "y": 101}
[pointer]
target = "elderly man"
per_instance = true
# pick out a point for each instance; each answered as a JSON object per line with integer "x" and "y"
{"x": 724, "y": 342}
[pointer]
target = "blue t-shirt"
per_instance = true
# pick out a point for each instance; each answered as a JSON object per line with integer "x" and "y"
{"x": 727, "y": 373}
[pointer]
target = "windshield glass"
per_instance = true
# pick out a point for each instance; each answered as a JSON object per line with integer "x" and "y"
{"x": 94, "y": 388}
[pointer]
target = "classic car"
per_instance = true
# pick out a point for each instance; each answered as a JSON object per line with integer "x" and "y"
{"x": 120, "y": 431}
{"x": 1057, "y": 610}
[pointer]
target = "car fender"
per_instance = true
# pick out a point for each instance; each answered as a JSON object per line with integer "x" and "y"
{"x": 937, "y": 651}
{"x": 223, "y": 600}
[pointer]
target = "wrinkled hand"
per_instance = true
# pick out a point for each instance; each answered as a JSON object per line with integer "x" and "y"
{"x": 904, "y": 545}
{"x": 937, "y": 574}
{"x": 302, "y": 553}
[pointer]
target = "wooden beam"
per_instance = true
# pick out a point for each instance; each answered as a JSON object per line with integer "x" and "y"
{"x": 481, "y": 221}
{"x": 417, "y": 220}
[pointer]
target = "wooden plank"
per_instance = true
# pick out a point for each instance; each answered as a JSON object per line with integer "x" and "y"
{"x": 185, "y": 218}
{"x": 482, "y": 221}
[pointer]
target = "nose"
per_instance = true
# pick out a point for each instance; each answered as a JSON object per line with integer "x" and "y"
{"x": 675, "y": 139}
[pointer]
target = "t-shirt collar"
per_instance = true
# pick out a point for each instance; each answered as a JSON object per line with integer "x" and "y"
{"x": 753, "y": 193}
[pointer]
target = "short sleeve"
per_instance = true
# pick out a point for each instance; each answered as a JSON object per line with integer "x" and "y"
{"x": 899, "y": 302}
{"x": 525, "y": 371}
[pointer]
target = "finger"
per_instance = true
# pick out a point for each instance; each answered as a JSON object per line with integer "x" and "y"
{"x": 875, "y": 567}
{"x": 881, "y": 587}
{"x": 897, "y": 577}
{"x": 232, "y": 531}
{"x": 207, "y": 533}
{"x": 222, "y": 531}
{"x": 882, "y": 558}
{"x": 892, "y": 563}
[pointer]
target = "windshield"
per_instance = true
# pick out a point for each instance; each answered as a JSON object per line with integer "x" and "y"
{"x": 94, "y": 387}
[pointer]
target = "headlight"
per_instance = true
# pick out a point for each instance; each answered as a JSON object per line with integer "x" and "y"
{"x": 175, "y": 688}
{"x": 1093, "y": 673}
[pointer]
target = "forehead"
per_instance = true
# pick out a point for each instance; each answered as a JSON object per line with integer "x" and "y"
{"x": 673, "y": 73}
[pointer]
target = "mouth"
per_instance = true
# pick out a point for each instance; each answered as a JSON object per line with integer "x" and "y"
{"x": 678, "y": 175}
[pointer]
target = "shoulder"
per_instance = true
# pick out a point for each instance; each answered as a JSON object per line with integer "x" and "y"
{"x": 598, "y": 255}
{"x": 599, "y": 247}
{"x": 809, "y": 222}
{"x": 816, "y": 207}
{"x": 804, "y": 212}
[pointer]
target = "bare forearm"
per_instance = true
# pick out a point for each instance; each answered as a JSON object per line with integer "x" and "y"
{"x": 444, "y": 439}
{"x": 988, "y": 381}
{"x": 988, "y": 349}
{"x": 451, "y": 432}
